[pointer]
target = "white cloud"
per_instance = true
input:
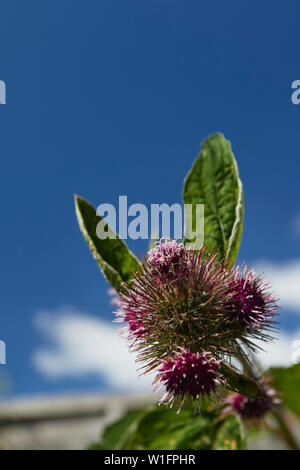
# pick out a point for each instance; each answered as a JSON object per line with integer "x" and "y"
{"x": 285, "y": 280}
{"x": 285, "y": 283}
{"x": 82, "y": 344}
{"x": 283, "y": 352}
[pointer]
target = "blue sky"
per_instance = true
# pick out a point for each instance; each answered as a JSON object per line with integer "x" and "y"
{"x": 109, "y": 98}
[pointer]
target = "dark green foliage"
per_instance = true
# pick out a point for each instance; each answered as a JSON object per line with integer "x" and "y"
{"x": 214, "y": 181}
{"x": 112, "y": 255}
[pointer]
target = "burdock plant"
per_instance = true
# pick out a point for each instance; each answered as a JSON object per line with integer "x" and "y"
{"x": 188, "y": 315}
{"x": 194, "y": 318}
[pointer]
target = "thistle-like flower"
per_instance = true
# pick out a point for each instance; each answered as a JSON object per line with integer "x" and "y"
{"x": 252, "y": 307}
{"x": 167, "y": 259}
{"x": 255, "y": 408}
{"x": 184, "y": 305}
{"x": 249, "y": 408}
{"x": 188, "y": 375}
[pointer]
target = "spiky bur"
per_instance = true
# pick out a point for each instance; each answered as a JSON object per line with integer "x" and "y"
{"x": 135, "y": 327}
{"x": 167, "y": 258}
{"x": 254, "y": 408}
{"x": 252, "y": 308}
{"x": 250, "y": 408}
{"x": 191, "y": 376}
{"x": 186, "y": 301}
{"x": 179, "y": 308}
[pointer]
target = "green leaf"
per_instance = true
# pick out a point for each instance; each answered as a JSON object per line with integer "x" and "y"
{"x": 214, "y": 181}
{"x": 287, "y": 381}
{"x": 112, "y": 255}
{"x": 197, "y": 436}
{"x": 239, "y": 382}
{"x": 116, "y": 434}
{"x": 164, "y": 429}
{"x": 231, "y": 435}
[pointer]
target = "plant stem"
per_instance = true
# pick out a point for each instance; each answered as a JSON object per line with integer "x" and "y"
{"x": 285, "y": 431}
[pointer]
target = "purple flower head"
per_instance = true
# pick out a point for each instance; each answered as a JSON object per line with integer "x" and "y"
{"x": 250, "y": 408}
{"x": 136, "y": 328}
{"x": 189, "y": 375}
{"x": 258, "y": 407}
{"x": 252, "y": 307}
{"x": 167, "y": 258}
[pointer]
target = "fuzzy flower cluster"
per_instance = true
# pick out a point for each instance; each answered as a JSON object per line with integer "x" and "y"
{"x": 253, "y": 408}
{"x": 192, "y": 375}
{"x": 250, "y": 408}
{"x": 188, "y": 312}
